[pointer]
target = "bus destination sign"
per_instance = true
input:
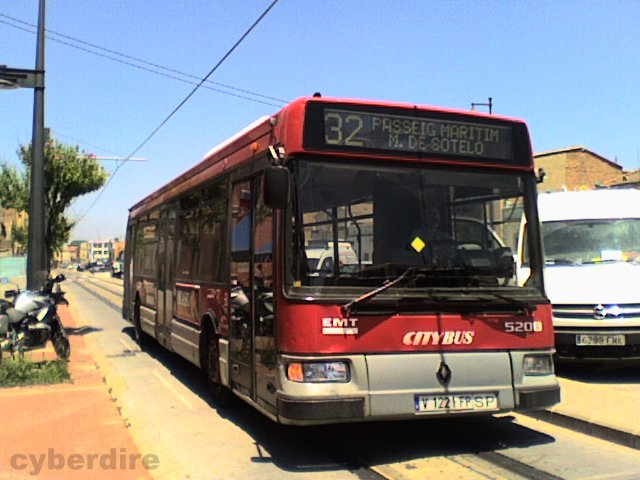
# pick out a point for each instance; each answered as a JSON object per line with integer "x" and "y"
{"x": 417, "y": 135}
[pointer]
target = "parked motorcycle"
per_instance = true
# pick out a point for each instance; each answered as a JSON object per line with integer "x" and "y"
{"x": 32, "y": 318}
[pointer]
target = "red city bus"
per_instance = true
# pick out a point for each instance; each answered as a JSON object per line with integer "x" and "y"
{"x": 348, "y": 260}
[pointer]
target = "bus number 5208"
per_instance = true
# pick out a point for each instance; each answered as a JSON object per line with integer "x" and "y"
{"x": 523, "y": 326}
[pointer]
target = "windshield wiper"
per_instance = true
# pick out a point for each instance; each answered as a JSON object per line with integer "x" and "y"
{"x": 413, "y": 272}
{"x": 524, "y": 306}
{"x": 559, "y": 261}
{"x": 409, "y": 273}
{"x": 347, "y": 307}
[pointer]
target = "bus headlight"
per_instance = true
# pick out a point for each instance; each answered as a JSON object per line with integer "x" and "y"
{"x": 318, "y": 372}
{"x": 537, "y": 365}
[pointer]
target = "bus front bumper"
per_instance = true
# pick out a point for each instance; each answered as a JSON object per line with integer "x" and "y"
{"x": 401, "y": 387}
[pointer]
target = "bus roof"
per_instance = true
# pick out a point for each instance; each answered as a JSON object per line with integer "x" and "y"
{"x": 403, "y": 105}
{"x": 589, "y": 205}
{"x": 286, "y": 127}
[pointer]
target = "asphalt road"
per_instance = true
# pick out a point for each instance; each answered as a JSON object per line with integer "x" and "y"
{"x": 165, "y": 400}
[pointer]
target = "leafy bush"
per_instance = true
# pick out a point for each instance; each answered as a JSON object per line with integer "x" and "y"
{"x": 18, "y": 372}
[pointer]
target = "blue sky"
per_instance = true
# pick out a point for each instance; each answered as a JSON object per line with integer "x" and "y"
{"x": 571, "y": 69}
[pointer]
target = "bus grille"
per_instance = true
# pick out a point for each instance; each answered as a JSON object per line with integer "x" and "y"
{"x": 597, "y": 312}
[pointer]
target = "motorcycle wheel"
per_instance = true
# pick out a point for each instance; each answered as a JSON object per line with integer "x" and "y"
{"x": 61, "y": 345}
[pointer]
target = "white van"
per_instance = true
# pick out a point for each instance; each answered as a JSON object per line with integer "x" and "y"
{"x": 320, "y": 256}
{"x": 591, "y": 244}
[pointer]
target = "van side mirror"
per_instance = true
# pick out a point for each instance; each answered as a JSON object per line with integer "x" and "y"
{"x": 277, "y": 181}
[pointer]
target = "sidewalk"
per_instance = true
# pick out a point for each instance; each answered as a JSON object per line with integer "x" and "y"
{"x": 600, "y": 409}
{"x": 67, "y": 431}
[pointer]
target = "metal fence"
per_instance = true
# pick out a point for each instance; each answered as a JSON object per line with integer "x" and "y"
{"x": 14, "y": 269}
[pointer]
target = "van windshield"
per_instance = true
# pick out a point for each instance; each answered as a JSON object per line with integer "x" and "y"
{"x": 359, "y": 225}
{"x": 591, "y": 241}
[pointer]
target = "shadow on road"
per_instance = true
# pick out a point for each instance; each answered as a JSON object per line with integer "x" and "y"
{"x": 84, "y": 330}
{"x": 348, "y": 446}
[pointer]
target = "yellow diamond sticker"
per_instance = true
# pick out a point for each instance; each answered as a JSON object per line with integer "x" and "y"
{"x": 418, "y": 244}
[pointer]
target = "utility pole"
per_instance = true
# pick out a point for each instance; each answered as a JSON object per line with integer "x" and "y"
{"x": 36, "y": 253}
{"x": 11, "y": 78}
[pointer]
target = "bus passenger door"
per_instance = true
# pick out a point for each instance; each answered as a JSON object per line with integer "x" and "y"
{"x": 241, "y": 311}
{"x": 252, "y": 335}
{"x": 264, "y": 338}
{"x": 165, "y": 275}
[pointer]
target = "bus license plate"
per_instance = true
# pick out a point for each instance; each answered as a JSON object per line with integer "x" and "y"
{"x": 468, "y": 402}
{"x": 600, "y": 340}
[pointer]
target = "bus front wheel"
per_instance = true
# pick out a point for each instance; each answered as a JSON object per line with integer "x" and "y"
{"x": 222, "y": 396}
{"x": 141, "y": 337}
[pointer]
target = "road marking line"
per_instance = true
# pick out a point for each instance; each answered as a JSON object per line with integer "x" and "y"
{"x": 126, "y": 345}
{"x": 166, "y": 384}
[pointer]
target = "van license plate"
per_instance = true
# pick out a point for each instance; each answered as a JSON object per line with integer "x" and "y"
{"x": 468, "y": 402}
{"x": 600, "y": 340}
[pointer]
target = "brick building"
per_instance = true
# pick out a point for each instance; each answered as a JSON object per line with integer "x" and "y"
{"x": 9, "y": 220}
{"x": 629, "y": 180}
{"x": 81, "y": 250}
{"x": 576, "y": 168}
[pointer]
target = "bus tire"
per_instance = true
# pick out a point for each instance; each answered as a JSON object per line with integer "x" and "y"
{"x": 140, "y": 336}
{"x": 221, "y": 395}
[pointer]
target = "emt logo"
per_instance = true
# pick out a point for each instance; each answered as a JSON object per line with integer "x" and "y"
{"x": 339, "y": 326}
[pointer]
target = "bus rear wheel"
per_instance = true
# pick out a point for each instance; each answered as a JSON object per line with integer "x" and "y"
{"x": 221, "y": 395}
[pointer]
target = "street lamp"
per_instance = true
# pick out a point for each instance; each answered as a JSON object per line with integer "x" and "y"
{"x": 20, "y": 78}
{"x": 6, "y": 84}
{"x": 12, "y": 78}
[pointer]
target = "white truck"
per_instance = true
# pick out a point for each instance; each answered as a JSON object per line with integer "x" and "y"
{"x": 591, "y": 243}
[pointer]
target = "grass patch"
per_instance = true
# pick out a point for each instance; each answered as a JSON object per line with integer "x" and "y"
{"x": 19, "y": 372}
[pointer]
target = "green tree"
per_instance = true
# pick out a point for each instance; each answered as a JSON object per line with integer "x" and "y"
{"x": 68, "y": 174}
{"x": 19, "y": 238}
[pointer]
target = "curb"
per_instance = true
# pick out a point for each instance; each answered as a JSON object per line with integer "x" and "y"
{"x": 610, "y": 434}
{"x": 139, "y": 426}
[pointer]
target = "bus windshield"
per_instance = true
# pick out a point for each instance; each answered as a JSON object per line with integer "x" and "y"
{"x": 362, "y": 224}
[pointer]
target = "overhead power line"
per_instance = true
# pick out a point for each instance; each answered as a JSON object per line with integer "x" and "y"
{"x": 185, "y": 100}
{"x": 82, "y": 142}
{"x": 157, "y": 68}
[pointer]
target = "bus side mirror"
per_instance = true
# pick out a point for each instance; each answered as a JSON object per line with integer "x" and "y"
{"x": 276, "y": 187}
{"x": 505, "y": 261}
